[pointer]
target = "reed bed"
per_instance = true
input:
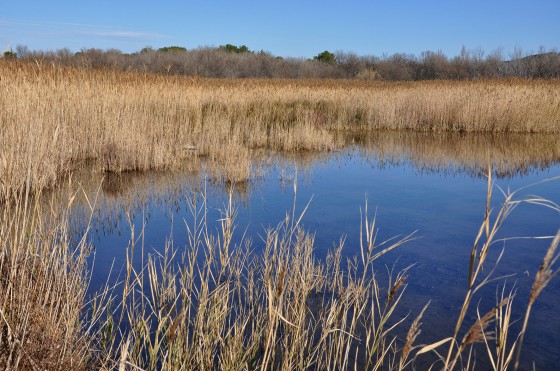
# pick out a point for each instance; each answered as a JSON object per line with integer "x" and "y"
{"x": 214, "y": 305}
{"x": 55, "y": 117}
{"x": 223, "y": 307}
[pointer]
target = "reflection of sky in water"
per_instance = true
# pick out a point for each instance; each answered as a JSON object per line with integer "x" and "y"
{"x": 445, "y": 208}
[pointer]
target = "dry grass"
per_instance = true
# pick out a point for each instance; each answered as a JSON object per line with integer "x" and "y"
{"x": 224, "y": 307}
{"x": 43, "y": 283}
{"x": 481, "y": 273}
{"x": 54, "y": 117}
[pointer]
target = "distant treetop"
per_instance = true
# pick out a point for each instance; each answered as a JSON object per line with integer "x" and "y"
{"x": 235, "y": 49}
{"x": 172, "y": 49}
{"x": 325, "y": 57}
{"x": 9, "y": 55}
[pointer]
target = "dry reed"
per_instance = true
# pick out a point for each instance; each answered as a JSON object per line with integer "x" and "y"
{"x": 43, "y": 283}
{"x": 478, "y": 277}
{"x": 224, "y": 307}
{"x": 220, "y": 304}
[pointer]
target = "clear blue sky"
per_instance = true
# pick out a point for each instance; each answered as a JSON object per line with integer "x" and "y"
{"x": 286, "y": 28}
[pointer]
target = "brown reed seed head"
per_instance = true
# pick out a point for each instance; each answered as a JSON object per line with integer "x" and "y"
{"x": 396, "y": 287}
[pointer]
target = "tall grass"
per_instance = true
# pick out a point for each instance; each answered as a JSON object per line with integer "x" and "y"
{"x": 220, "y": 304}
{"x": 56, "y": 117}
{"x": 480, "y": 274}
{"x": 223, "y": 307}
{"x": 215, "y": 305}
{"x": 43, "y": 283}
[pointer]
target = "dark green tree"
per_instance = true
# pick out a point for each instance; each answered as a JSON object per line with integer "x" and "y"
{"x": 166, "y": 49}
{"x": 325, "y": 57}
{"x": 147, "y": 49}
{"x": 235, "y": 49}
{"x": 9, "y": 55}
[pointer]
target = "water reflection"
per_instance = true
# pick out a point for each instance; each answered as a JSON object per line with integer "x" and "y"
{"x": 445, "y": 154}
{"x": 508, "y": 154}
{"x": 340, "y": 179}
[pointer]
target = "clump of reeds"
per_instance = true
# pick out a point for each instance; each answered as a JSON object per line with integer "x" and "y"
{"x": 43, "y": 283}
{"x": 218, "y": 304}
{"x": 223, "y": 306}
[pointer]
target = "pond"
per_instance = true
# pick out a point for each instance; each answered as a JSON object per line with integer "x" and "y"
{"x": 432, "y": 185}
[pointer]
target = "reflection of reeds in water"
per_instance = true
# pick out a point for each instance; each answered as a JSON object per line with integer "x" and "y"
{"x": 119, "y": 194}
{"x": 508, "y": 154}
{"x": 53, "y": 117}
{"x": 131, "y": 192}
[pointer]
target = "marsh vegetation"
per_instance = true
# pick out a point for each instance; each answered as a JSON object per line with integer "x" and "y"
{"x": 56, "y": 117}
{"x": 225, "y": 299}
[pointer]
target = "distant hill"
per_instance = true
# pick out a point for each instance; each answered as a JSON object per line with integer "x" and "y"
{"x": 543, "y": 65}
{"x": 537, "y": 57}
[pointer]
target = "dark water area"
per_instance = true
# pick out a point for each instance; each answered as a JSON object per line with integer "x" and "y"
{"x": 433, "y": 186}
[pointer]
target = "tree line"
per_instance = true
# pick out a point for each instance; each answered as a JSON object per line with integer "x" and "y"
{"x": 231, "y": 61}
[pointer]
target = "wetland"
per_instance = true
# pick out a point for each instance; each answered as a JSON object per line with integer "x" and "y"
{"x": 167, "y": 222}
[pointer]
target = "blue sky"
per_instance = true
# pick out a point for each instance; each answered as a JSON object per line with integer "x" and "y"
{"x": 287, "y": 28}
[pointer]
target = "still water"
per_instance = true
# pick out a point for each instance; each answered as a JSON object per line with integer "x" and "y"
{"x": 433, "y": 186}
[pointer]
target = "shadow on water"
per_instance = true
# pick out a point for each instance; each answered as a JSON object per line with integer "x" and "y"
{"x": 416, "y": 181}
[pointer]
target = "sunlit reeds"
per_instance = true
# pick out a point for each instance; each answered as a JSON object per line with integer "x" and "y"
{"x": 56, "y": 117}
{"x": 222, "y": 305}
{"x": 43, "y": 284}
{"x": 480, "y": 274}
